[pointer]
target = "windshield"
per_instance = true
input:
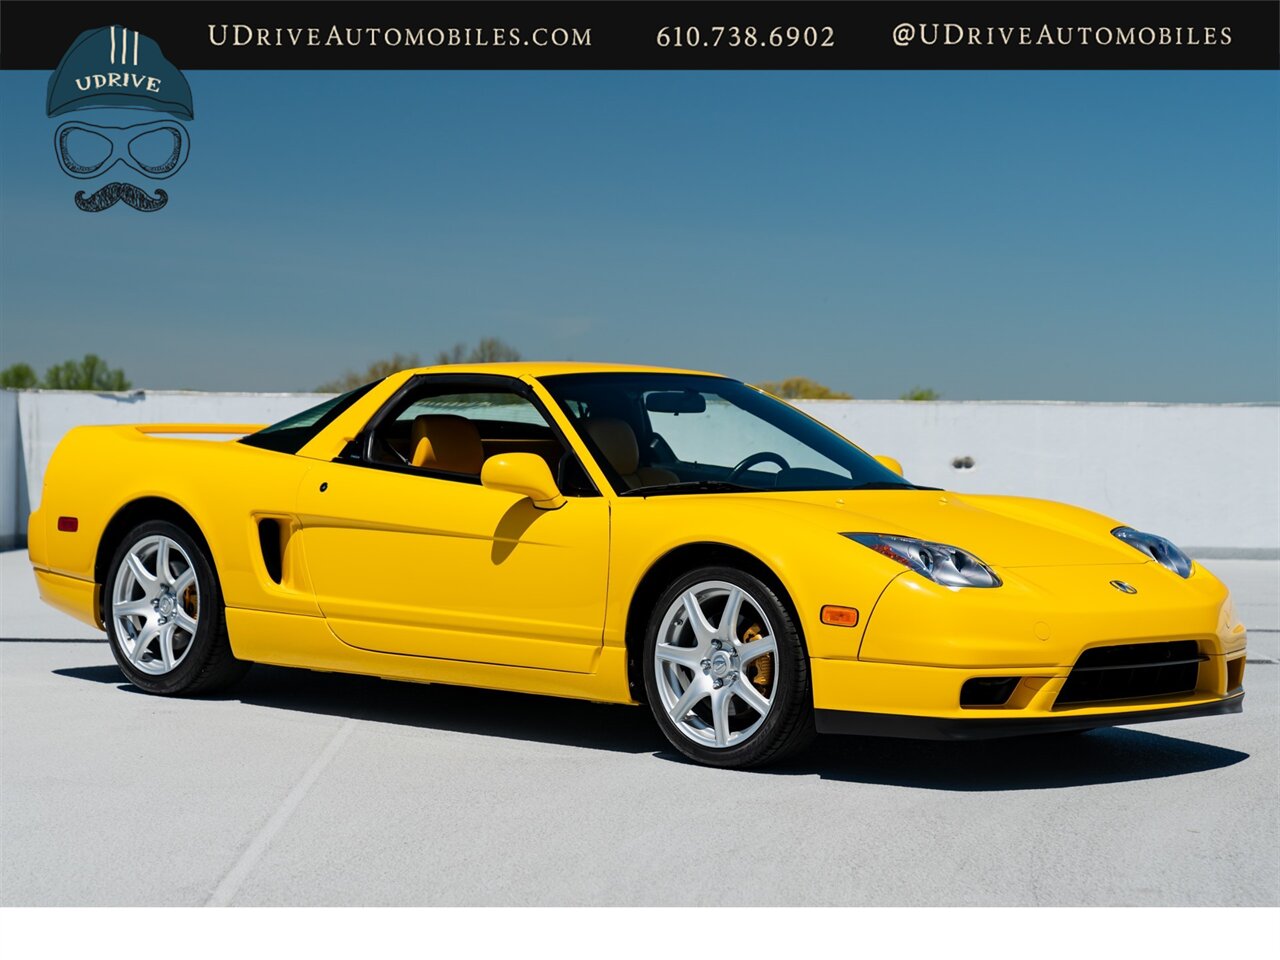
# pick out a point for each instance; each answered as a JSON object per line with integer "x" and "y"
{"x": 657, "y": 433}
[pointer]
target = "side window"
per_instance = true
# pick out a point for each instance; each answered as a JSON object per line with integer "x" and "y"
{"x": 449, "y": 429}
{"x": 292, "y": 434}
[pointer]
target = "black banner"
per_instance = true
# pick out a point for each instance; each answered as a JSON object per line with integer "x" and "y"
{"x": 754, "y": 34}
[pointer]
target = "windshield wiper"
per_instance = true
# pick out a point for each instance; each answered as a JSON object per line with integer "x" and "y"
{"x": 689, "y": 486}
{"x": 725, "y": 486}
{"x": 890, "y": 485}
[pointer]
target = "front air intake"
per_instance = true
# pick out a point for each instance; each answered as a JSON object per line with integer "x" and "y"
{"x": 987, "y": 691}
{"x": 1133, "y": 671}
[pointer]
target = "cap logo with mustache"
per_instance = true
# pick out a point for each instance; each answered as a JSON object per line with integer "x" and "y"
{"x": 110, "y": 70}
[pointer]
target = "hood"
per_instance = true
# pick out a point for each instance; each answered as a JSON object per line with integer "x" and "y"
{"x": 1001, "y": 531}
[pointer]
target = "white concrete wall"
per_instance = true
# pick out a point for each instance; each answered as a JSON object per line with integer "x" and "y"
{"x": 1207, "y": 476}
{"x": 13, "y": 481}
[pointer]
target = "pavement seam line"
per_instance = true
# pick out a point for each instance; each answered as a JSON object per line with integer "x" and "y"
{"x": 226, "y": 890}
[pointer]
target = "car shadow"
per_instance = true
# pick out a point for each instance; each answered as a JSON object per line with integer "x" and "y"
{"x": 1110, "y": 755}
{"x": 490, "y": 713}
{"x": 1105, "y": 755}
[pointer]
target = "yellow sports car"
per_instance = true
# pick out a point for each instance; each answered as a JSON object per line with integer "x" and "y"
{"x": 629, "y": 535}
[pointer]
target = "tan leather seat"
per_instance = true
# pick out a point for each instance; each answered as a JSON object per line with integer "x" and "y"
{"x": 616, "y": 441}
{"x": 443, "y": 441}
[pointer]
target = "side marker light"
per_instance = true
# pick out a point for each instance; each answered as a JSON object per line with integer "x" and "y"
{"x": 839, "y": 616}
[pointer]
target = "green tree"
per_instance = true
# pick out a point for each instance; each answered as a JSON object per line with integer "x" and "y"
{"x": 921, "y": 393}
{"x": 19, "y": 376}
{"x": 802, "y": 388}
{"x": 89, "y": 373}
{"x": 488, "y": 350}
{"x": 375, "y": 371}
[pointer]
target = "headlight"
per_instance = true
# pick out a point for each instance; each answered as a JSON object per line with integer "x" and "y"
{"x": 1157, "y": 548}
{"x": 939, "y": 562}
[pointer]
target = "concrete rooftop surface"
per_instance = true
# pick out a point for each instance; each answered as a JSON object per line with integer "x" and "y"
{"x": 301, "y": 788}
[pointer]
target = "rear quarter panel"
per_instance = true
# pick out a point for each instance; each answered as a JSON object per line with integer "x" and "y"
{"x": 225, "y": 486}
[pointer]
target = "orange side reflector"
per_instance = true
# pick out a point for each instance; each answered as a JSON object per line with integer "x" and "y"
{"x": 839, "y": 616}
{"x": 68, "y": 524}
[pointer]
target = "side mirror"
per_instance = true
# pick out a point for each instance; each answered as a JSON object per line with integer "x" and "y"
{"x": 890, "y": 463}
{"x": 525, "y": 474}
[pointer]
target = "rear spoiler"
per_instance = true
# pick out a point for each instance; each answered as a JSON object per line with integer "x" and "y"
{"x": 218, "y": 428}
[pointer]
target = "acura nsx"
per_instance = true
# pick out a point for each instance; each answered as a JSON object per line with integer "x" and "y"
{"x": 623, "y": 534}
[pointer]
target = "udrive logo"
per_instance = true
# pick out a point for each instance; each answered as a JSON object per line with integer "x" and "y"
{"x": 113, "y": 74}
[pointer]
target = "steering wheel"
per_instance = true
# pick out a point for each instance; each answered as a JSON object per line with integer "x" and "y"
{"x": 764, "y": 456}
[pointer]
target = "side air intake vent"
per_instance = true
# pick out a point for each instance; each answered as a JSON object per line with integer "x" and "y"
{"x": 269, "y": 540}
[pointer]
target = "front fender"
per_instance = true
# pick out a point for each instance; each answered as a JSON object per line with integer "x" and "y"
{"x": 815, "y": 566}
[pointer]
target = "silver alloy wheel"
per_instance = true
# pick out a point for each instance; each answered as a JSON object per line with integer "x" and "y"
{"x": 155, "y": 604}
{"x": 714, "y": 682}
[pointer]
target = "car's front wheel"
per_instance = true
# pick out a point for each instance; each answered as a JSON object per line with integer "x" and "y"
{"x": 726, "y": 673}
{"x": 164, "y": 614}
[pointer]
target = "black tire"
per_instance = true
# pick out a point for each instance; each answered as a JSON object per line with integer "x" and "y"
{"x": 789, "y": 725}
{"x": 208, "y": 664}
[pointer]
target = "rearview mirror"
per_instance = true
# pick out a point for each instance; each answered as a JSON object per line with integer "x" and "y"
{"x": 525, "y": 474}
{"x": 676, "y": 401}
{"x": 890, "y": 463}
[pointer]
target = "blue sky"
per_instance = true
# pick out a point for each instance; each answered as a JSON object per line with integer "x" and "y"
{"x": 992, "y": 235}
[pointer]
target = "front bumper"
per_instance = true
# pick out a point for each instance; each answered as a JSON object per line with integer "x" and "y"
{"x": 1060, "y": 644}
{"x": 987, "y": 728}
{"x": 919, "y": 702}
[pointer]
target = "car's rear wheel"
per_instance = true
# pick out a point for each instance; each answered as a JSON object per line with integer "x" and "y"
{"x": 726, "y": 672}
{"x": 164, "y": 614}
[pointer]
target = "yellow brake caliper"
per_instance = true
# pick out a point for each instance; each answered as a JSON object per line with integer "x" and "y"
{"x": 762, "y": 666}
